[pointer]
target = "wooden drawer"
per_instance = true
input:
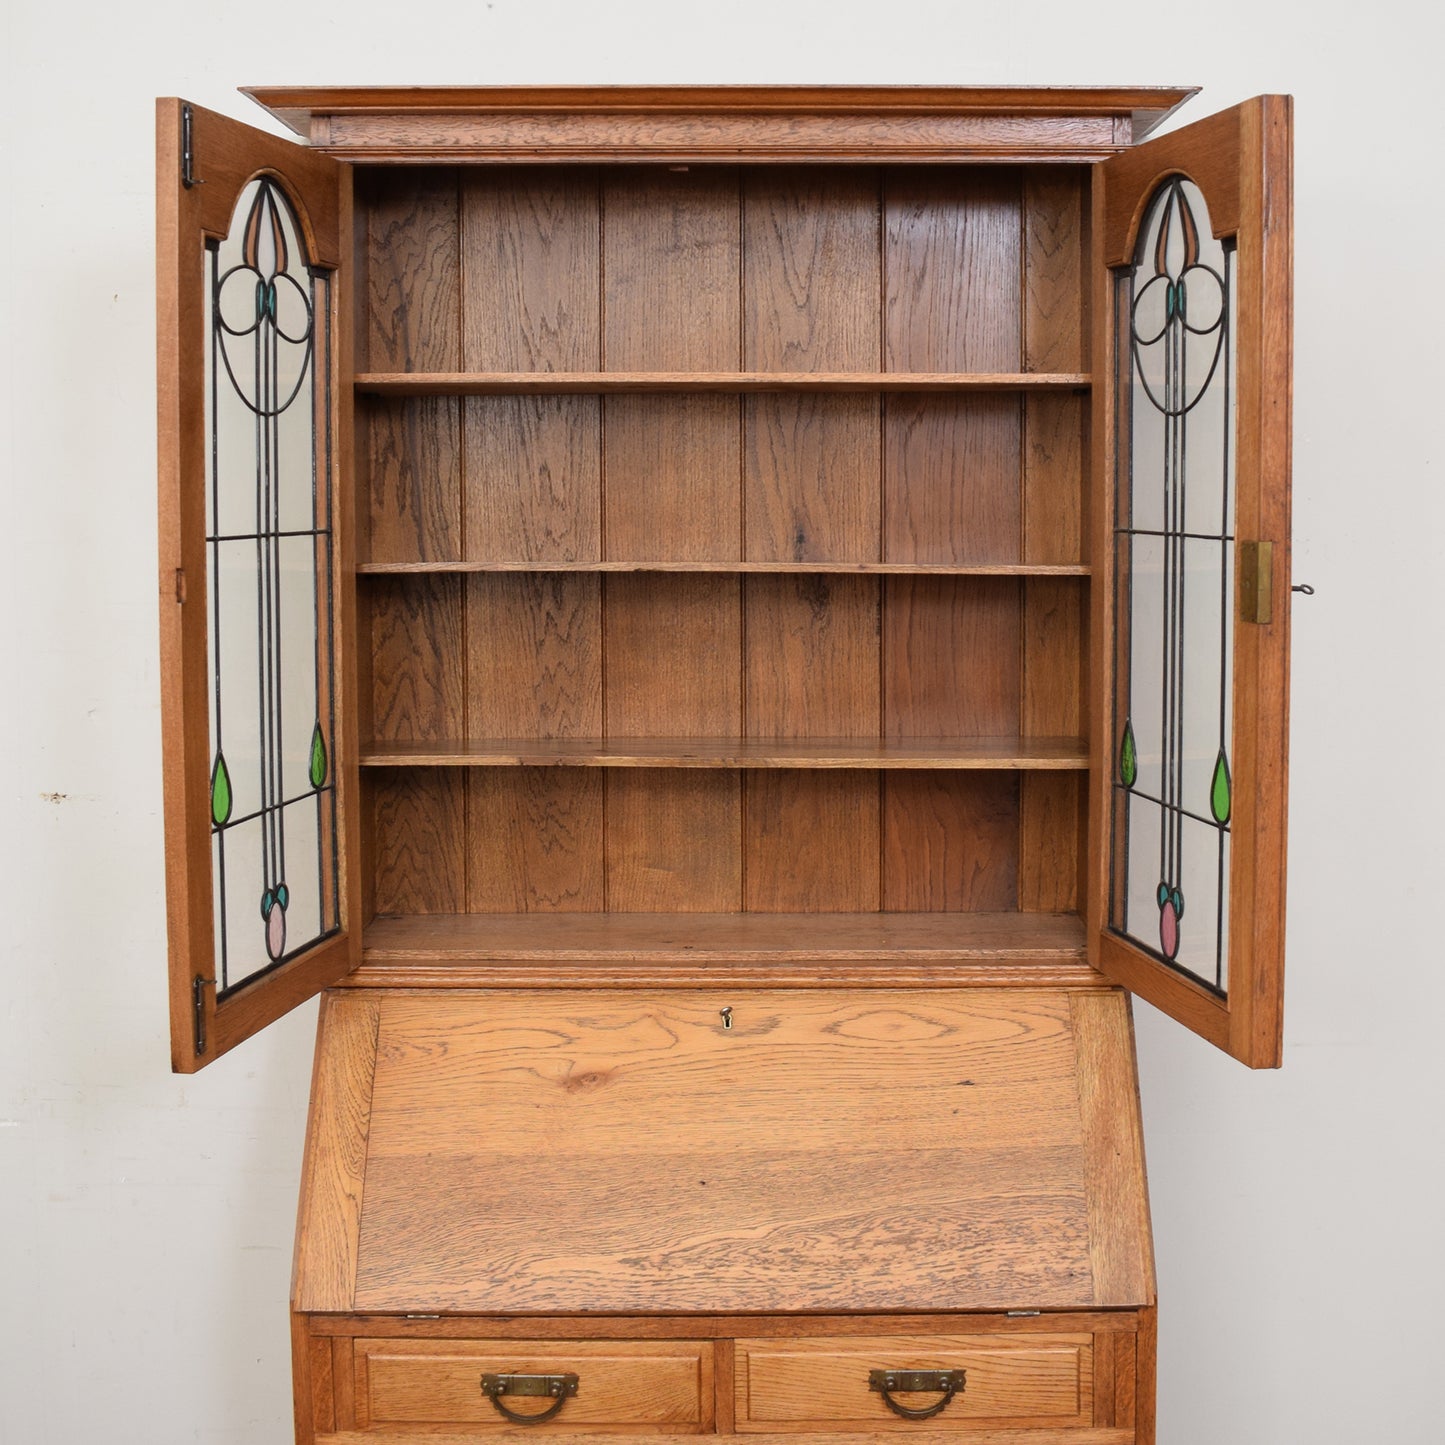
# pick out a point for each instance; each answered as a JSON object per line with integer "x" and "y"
{"x": 638, "y": 1385}
{"x": 1017, "y": 1382}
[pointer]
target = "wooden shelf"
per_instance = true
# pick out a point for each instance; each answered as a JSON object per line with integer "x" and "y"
{"x": 587, "y": 383}
{"x": 1006, "y": 753}
{"x": 634, "y": 950}
{"x": 959, "y": 569}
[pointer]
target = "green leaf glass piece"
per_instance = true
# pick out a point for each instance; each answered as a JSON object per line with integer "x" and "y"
{"x": 221, "y": 799}
{"x": 1128, "y": 756}
{"x": 318, "y": 758}
{"x": 1219, "y": 790}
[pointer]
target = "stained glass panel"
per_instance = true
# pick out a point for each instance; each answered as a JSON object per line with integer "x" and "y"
{"x": 1174, "y": 579}
{"x": 269, "y": 559}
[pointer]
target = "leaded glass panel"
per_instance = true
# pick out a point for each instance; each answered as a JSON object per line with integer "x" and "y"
{"x": 1174, "y": 578}
{"x": 269, "y": 567}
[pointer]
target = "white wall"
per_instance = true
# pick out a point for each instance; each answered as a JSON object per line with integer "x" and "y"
{"x": 145, "y": 1220}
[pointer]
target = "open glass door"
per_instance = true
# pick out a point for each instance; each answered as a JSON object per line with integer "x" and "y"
{"x": 252, "y": 548}
{"x": 1192, "y": 573}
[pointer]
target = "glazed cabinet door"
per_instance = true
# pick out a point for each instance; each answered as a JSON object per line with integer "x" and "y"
{"x": 1192, "y": 573}
{"x": 256, "y": 718}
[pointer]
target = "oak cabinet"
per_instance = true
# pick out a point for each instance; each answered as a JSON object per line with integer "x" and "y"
{"x": 727, "y": 629}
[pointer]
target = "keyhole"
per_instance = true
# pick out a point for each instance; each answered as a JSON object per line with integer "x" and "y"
{"x": 727, "y": 1017}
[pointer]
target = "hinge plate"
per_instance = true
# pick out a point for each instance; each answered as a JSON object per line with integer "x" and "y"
{"x": 188, "y": 173}
{"x": 198, "y": 1004}
{"x": 1255, "y": 564}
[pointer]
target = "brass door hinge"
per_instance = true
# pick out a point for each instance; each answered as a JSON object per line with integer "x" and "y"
{"x": 1255, "y": 564}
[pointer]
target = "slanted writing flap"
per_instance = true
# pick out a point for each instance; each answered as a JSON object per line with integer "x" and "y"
{"x": 259, "y": 762}
{"x": 618, "y": 1152}
{"x": 1191, "y": 593}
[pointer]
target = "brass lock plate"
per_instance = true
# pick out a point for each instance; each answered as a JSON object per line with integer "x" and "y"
{"x": 910, "y": 1381}
{"x": 548, "y": 1386}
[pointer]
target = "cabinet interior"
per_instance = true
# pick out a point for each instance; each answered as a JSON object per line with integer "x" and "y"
{"x": 721, "y": 539}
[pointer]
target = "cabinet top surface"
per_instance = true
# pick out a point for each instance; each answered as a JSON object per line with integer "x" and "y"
{"x": 1146, "y": 106}
{"x": 543, "y": 1153}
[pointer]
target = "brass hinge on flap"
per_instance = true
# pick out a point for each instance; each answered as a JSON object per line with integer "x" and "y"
{"x": 1255, "y": 563}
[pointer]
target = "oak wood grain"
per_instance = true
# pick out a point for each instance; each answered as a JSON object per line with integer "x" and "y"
{"x": 950, "y": 841}
{"x": 418, "y": 838}
{"x": 951, "y": 650}
{"x": 925, "y": 1436}
{"x": 414, "y": 479}
{"x": 674, "y": 841}
{"x": 674, "y": 656}
{"x": 417, "y": 658}
{"x": 413, "y": 270}
{"x": 820, "y": 567}
{"x": 533, "y": 480}
{"x": 951, "y": 479}
{"x": 670, "y": 467}
{"x": 453, "y": 1214}
{"x": 531, "y": 255}
{"x": 811, "y": 841}
{"x": 534, "y": 655}
{"x": 534, "y": 841}
{"x": 714, "y": 1326}
{"x": 671, "y": 248}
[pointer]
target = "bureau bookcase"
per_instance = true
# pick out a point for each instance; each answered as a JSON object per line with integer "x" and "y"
{"x": 726, "y": 629}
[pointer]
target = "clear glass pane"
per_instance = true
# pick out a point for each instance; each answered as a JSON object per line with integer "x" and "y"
{"x": 269, "y": 553}
{"x": 1174, "y": 553}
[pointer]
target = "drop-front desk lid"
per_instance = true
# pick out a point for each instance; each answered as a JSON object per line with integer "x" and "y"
{"x": 559, "y": 1152}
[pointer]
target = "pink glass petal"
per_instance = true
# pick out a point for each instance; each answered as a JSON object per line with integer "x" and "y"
{"x": 1169, "y": 929}
{"x": 276, "y": 932}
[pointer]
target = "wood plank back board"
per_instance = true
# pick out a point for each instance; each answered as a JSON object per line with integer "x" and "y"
{"x": 589, "y": 1151}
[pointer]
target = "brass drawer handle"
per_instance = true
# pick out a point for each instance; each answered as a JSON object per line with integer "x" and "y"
{"x": 910, "y": 1381}
{"x": 560, "y": 1387}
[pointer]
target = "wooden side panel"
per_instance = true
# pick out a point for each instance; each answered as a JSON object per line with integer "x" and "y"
{"x": 1121, "y": 1253}
{"x": 329, "y": 1223}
